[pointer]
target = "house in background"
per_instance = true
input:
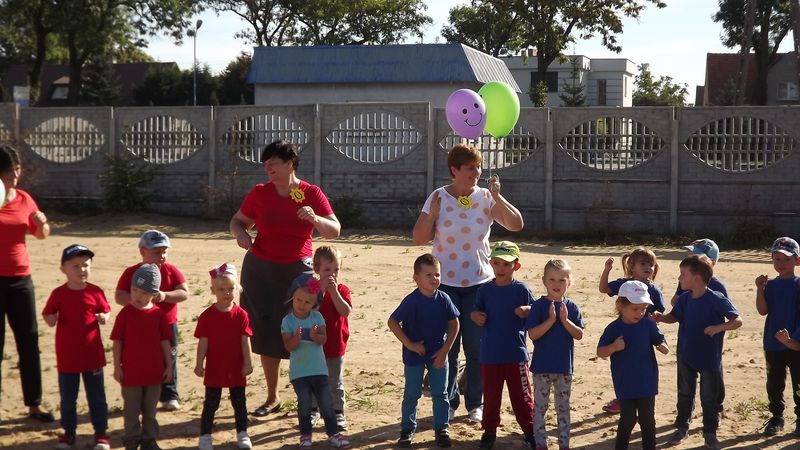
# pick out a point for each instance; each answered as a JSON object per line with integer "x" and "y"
{"x": 370, "y": 73}
{"x": 606, "y": 81}
{"x": 720, "y": 80}
{"x": 55, "y": 81}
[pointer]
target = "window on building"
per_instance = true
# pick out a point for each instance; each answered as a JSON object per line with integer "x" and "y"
{"x": 787, "y": 90}
{"x": 550, "y": 78}
{"x": 601, "y": 93}
{"x": 59, "y": 93}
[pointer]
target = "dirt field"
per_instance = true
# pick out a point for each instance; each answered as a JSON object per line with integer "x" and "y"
{"x": 377, "y": 268}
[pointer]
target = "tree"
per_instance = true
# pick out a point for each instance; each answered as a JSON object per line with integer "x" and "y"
{"x": 482, "y": 26}
{"x": 232, "y": 88}
{"x": 771, "y": 25}
{"x": 573, "y": 90}
{"x": 271, "y": 24}
{"x": 661, "y": 92}
{"x": 167, "y": 85}
{"x": 550, "y": 25}
{"x": 537, "y": 92}
{"x": 101, "y": 85}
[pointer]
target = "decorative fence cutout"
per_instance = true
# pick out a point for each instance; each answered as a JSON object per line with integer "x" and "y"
{"x": 611, "y": 143}
{"x": 248, "y": 137}
{"x": 162, "y": 139}
{"x": 375, "y": 137}
{"x": 65, "y": 139}
{"x": 498, "y": 153}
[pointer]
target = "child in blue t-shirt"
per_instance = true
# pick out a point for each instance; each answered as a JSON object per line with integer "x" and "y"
{"x": 554, "y": 323}
{"x": 640, "y": 264}
{"x": 501, "y": 306}
{"x": 778, "y": 300}
{"x": 426, "y": 323}
{"x": 304, "y": 334}
{"x": 629, "y": 341}
{"x": 704, "y": 316}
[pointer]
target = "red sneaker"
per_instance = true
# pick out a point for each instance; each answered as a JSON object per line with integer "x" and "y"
{"x": 612, "y": 407}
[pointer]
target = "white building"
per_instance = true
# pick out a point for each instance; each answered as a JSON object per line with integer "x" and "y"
{"x": 606, "y": 81}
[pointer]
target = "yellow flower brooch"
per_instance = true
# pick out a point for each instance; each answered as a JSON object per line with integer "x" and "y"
{"x": 464, "y": 202}
{"x": 297, "y": 195}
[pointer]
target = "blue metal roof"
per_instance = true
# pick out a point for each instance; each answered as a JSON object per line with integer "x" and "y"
{"x": 408, "y": 63}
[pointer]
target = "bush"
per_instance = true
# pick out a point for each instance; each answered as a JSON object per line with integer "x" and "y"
{"x": 348, "y": 212}
{"x": 124, "y": 183}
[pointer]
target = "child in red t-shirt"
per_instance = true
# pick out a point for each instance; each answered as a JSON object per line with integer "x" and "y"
{"x": 335, "y": 307}
{"x": 224, "y": 333}
{"x": 78, "y": 307}
{"x": 142, "y": 358}
{"x": 153, "y": 247}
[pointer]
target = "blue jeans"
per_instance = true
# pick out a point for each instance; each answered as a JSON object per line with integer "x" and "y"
{"x": 413, "y": 391}
{"x": 464, "y": 300}
{"x": 318, "y": 387}
{"x": 169, "y": 390}
{"x": 68, "y": 384}
{"x": 710, "y": 397}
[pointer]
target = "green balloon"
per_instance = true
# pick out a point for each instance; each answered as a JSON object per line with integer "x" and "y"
{"x": 502, "y": 108}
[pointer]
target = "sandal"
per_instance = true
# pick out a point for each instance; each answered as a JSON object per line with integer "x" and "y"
{"x": 267, "y": 408}
{"x": 42, "y": 416}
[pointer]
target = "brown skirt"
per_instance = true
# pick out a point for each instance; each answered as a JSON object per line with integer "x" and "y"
{"x": 264, "y": 297}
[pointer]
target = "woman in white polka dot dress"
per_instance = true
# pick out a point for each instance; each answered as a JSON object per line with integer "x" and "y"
{"x": 458, "y": 217}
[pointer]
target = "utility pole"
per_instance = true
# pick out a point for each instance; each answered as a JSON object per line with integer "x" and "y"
{"x": 796, "y": 35}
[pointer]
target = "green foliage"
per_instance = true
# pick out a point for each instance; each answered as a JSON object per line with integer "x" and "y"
{"x": 727, "y": 95}
{"x": 483, "y": 26}
{"x": 167, "y": 85}
{"x": 232, "y": 88}
{"x": 657, "y": 92}
{"x": 573, "y": 89}
{"x": 348, "y": 212}
{"x": 100, "y": 86}
{"x": 538, "y": 94}
{"x": 125, "y": 183}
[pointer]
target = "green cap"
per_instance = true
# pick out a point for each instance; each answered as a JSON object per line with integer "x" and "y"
{"x": 505, "y": 250}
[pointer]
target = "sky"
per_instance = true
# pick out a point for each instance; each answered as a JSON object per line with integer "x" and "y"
{"x": 673, "y": 40}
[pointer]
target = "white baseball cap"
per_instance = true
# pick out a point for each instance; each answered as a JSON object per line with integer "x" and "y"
{"x": 635, "y": 292}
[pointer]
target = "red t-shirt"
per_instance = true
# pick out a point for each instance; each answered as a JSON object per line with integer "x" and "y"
{"x": 336, "y": 324}
{"x": 171, "y": 277}
{"x": 15, "y": 222}
{"x": 282, "y": 237}
{"x": 224, "y": 331}
{"x": 141, "y": 332}
{"x": 79, "y": 347}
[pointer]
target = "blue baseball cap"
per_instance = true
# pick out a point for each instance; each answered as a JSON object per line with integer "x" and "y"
{"x": 153, "y": 238}
{"x": 787, "y": 246}
{"x": 704, "y": 247}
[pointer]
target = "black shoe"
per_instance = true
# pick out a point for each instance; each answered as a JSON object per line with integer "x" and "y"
{"x": 773, "y": 426}
{"x": 149, "y": 444}
{"x": 487, "y": 440}
{"x": 42, "y": 416}
{"x": 443, "y": 438}
{"x": 528, "y": 438}
{"x": 406, "y": 437}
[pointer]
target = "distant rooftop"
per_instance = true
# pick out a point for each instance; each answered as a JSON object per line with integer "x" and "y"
{"x": 408, "y": 63}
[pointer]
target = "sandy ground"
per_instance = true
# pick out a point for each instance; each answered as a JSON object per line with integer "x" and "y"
{"x": 377, "y": 267}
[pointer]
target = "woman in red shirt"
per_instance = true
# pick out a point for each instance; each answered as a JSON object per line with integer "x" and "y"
{"x": 20, "y": 215}
{"x": 285, "y": 212}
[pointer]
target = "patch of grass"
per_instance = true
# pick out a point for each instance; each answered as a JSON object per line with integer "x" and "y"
{"x": 360, "y": 315}
{"x": 289, "y": 406}
{"x": 732, "y": 334}
{"x": 199, "y": 291}
{"x": 745, "y": 409}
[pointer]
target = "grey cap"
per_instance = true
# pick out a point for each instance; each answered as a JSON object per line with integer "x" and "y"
{"x": 153, "y": 238}
{"x": 147, "y": 278}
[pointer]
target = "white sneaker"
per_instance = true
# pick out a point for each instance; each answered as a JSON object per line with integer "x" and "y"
{"x": 171, "y": 405}
{"x": 204, "y": 443}
{"x": 476, "y": 415}
{"x": 314, "y": 417}
{"x": 338, "y": 441}
{"x": 451, "y": 415}
{"x": 243, "y": 440}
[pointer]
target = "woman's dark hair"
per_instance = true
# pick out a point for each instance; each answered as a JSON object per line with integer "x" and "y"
{"x": 9, "y": 157}
{"x": 284, "y": 150}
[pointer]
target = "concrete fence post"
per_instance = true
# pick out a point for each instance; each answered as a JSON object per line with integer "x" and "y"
{"x": 673, "y": 176}
{"x": 549, "y": 148}
{"x": 317, "y": 146}
{"x": 431, "y": 144}
{"x": 212, "y": 159}
{"x": 112, "y": 131}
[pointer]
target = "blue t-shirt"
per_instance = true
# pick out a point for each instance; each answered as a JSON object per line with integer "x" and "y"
{"x": 698, "y": 350}
{"x": 554, "y": 352}
{"x": 503, "y": 334}
{"x": 714, "y": 284}
{"x": 655, "y": 294}
{"x": 308, "y": 358}
{"x": 783, "y": 301}
{"x": 634, "y": 369}
{"x": 424, "y": 319}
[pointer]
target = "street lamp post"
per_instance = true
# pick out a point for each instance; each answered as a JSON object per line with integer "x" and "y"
{"x": 197, "y": 26}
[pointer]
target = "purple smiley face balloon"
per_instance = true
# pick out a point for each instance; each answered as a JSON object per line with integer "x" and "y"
{"x": 466, "y": 113}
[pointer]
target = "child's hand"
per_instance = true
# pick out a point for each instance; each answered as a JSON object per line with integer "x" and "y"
{"x": 522, "y": 311}
{"x": 711, "y": 330}
{"x": 307, "y": 213}
{"x": 479, "y": 317}
{"x": 38, "y": 218}
{"x": 657, "y": 316}
{"x": 199, "y": 370}
{"x": 118, "y": 374}
{"x": 417, "y": 347}
{"x": 761, "y": 282}
{"x": 619, "y": 344}
{"x": 330, "y": 284}
{"x": 315, "y": 334}
{"x": 562, "y": 313}
{"x": 436, "y": 206}
{"x": 102, "y": 318}
{"x": 247, "y": 368}
{"x": 494, "y": 185}
{"x": 782, "y": 336}
{"x": 298, "y": 334}
{"x": 167, "y": 373}
{"x": 609, "y": 264}
{"x": 439, "y": 358}
{"x": 160, "y": 297}
{"x": 51, "y": 319}
{"x": 662, "y": 347}
{"x": 552, "y": 316}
